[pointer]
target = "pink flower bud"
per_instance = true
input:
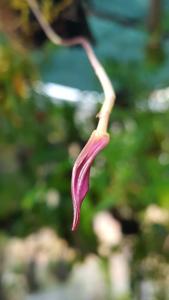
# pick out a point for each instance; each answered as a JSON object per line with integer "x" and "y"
{"x": 81, "y": 171}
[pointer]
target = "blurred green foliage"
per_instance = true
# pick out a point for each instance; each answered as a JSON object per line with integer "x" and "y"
{"x": 36, "y": 138}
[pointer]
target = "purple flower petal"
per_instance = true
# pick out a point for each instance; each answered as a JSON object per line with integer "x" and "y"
{"x": 81, "y": 172}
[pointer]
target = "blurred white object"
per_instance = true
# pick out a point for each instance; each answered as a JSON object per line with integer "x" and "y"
{"x": 120, "y": 275}
{"x": 61, "y": 92}
{"x": 87, "y": 283}
{"x": 52, "y": 198}
{"x": 148, "y": 289}
{"x": 159, "y": 100}
{"x": 57, "y": 91}
{"x": 156, "y": 214}
{"x": 85, "y": 100}
{"x": 89, "y": 278}
{"x": 107, "y": 229}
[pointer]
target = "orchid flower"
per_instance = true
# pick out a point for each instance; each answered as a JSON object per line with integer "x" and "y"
{"x": 81, "y": 172}
{"x": 99, "y": 138}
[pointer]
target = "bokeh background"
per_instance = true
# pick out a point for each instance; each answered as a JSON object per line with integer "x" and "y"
{"x": 49, "y": 97}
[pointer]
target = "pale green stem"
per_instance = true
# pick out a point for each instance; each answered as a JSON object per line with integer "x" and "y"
{"x": 108, "y": 90}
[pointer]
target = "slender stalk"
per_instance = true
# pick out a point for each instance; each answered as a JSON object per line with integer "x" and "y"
{"x": 51, "y": 35}
{"x": 105, "y": 82}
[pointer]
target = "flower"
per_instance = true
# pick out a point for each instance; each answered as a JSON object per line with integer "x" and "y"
{"x": 81, "y": 171}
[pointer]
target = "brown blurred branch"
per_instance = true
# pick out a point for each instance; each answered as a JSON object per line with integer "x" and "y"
{"x": 155, "y": 50}
{"x": 155, "y": 14}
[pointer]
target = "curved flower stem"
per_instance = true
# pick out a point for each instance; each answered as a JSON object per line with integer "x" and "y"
{"x": 105, "y": 82}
